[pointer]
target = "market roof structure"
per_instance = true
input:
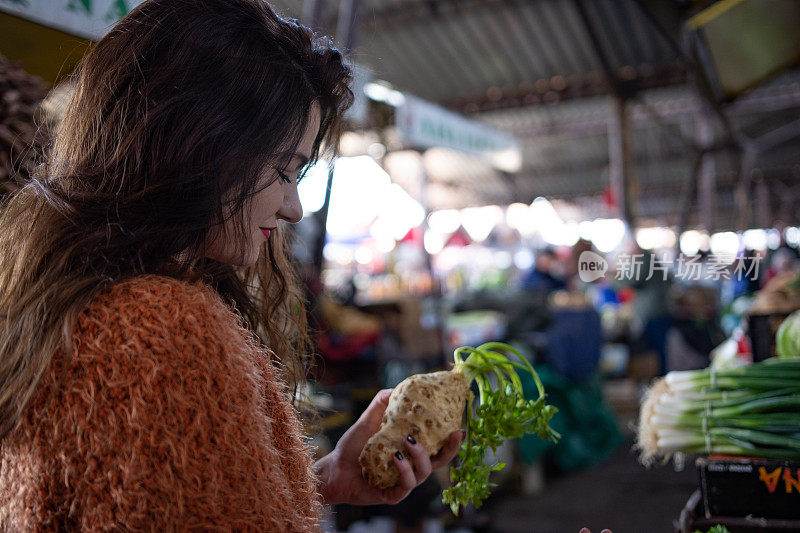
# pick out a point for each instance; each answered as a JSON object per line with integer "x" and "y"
{"x": 474, "y": 55}
{"x": 549, "y": 72}
{"x": 562, "y": 76}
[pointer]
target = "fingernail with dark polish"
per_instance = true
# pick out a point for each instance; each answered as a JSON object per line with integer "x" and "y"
{"x": 399, "y": 456}
{"x": 411, "y": 439}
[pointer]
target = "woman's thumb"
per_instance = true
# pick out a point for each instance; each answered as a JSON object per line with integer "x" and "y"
{"x": 373, "y": 414}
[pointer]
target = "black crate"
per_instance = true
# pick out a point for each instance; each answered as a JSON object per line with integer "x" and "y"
{"x": 692, "y": 519}
{"x": 757, "y": 488}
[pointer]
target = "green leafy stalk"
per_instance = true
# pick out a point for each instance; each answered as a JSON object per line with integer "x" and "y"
{"x": 715, "y": 529}
{"x": 502, "y": 413}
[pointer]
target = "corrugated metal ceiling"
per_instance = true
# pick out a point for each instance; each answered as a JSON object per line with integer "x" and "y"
{"x": 476, "y": 50}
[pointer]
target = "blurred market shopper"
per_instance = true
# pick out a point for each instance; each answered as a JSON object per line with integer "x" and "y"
{"x": 152, "y": 329}
{"x": 653, "y": 319}
{"x": 541, "y": 277}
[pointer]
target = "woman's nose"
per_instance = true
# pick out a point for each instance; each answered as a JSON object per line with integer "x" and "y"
{"x": 291, "y": 209}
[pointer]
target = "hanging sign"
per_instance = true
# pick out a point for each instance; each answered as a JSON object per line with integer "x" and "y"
{"x": 426, "y": 125}
{"x": 85, "y": 18}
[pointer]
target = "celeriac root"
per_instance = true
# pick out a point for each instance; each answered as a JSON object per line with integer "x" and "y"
{"x": 428, "y": 407}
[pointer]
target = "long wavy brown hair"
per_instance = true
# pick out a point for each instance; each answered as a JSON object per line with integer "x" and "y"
{"x": 181, "y": 105}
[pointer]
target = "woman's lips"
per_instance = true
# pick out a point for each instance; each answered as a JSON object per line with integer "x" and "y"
{"x": 266, "y": 231}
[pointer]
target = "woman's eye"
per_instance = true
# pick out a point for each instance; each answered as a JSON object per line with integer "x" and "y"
{"x": 284, "y": 177}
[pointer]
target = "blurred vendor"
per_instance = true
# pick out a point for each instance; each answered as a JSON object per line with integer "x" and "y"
{"x": 542, "y": 276}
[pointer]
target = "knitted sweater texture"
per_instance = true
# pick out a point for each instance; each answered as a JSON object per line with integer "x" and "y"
{"x": 169, "y": 417}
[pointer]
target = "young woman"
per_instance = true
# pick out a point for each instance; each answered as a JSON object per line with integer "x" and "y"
{"x": 152, "y": 332}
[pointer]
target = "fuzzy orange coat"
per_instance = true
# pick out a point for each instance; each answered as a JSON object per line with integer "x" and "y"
{"x": 169, "y": 417}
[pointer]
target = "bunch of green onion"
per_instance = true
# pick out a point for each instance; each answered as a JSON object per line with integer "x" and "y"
{"x": 752, "y": 411}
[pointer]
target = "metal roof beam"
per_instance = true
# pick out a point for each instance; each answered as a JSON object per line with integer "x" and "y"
{"x": 780, "y": 135}
{"x": 667, "y": 118}
{"x": 753, "y": 148}
{"x": 559, "y": 89}
{"x": 673, "y": 161}
{"x": 402, "y": 13}
{"x": 621, "y": 88}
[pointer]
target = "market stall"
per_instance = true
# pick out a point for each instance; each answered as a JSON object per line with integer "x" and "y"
{"x": 738, "y": 418}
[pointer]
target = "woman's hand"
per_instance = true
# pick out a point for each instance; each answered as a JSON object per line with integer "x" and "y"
{"x": 339, "y": 472}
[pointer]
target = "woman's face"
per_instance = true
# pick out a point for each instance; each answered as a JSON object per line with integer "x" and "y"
{"x": 278, "y": 201}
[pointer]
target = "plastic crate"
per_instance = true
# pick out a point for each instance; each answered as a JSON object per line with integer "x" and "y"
{"x": 693, "y": 518}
